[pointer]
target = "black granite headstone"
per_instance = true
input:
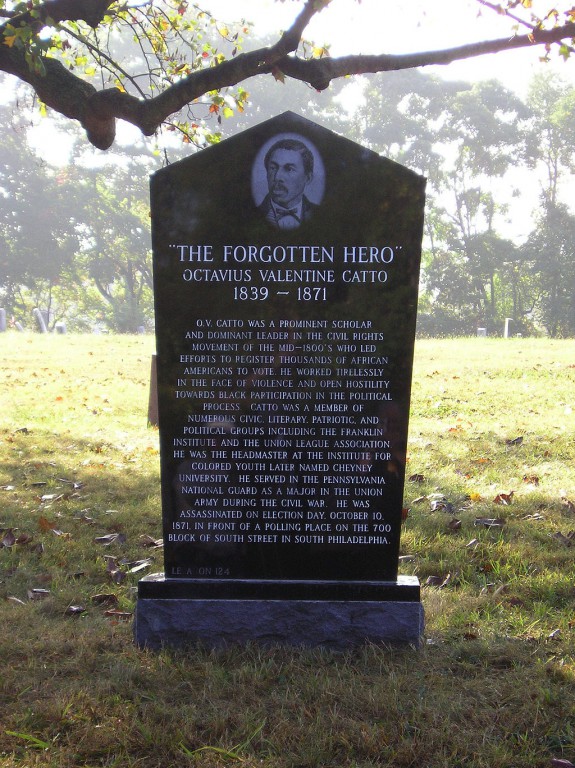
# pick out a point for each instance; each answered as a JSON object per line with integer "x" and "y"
{"x": 286, "y": 265}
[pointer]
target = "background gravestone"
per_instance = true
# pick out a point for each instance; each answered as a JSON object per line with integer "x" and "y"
{"x": 284, "y": 359}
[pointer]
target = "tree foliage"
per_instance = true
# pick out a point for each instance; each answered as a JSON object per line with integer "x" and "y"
{"x": 58, "y": 46}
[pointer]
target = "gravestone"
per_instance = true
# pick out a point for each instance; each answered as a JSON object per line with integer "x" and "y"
{"x": 285, "y": 327}
{"x": 40, "y": 321}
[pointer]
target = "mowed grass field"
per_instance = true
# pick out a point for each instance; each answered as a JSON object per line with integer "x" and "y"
{"x": 489, "y": 532}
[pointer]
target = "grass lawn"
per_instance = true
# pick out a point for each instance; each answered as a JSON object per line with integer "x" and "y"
{"x": 490, "y": 533}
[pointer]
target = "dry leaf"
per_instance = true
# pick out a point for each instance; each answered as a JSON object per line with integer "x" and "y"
{"x": 531, "y": 479}
{"x": 111, "y": 562}
{"x": 442, "y": 505}
{"x": 417, "y": 479}
{"x": 567, "y": 503}
{"x": 120, "y": 615}
{"x": 8, "y": 539}
{"x": 504, "y": 499}
{"x": 490, "y": 522}
{"x": 558, "y": 762}
{"x": 118, "y": 576}
{"x": 454, "y": 524}
{"x": 110, "y": 538}
{"x": 438, "y": 581}
{"x": 139, "y": 565}
{"x": 149, "y": 541}
{"x": 16, "y": 600}
{"x": 45, "y": 525}
{"x": 105, "y": 599}
{"x": 74, "y": 610}
{"x": 515, "y": 441}
{"x": 51, "y": 497}
{"x": 38, "y": 594}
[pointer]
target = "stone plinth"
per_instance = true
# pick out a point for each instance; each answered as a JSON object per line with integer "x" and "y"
{"x": 174, "y": 612}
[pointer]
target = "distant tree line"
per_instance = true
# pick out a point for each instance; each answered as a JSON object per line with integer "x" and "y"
{"x": 75, "y": 239}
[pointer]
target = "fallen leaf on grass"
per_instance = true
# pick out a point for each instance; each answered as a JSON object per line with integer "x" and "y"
{"x": 417, "y": 479}
{"x": 515, "y": 602}
{"x": 45, "y": 525}
{"x": 514, "y": 441}
{"x": 531, "y": 479}
{"x": 438, "y": 581}
{"x": 118, "y": 576}
{"x": 74, "y": 610}
{"x": 419, "y": 500}
{"x": 105, "y": 599}
{"x": 13, "y": 599}
{"x": 490, "y": 522}
{"x": 139, "y": 565}
{"x": 110, "y": 538}
{"x": 8, "y": 539}
{"x": 75, "y": 485}
{"x": 58, "y": 532}
{"x": 120, "y": 615}
{"x": 38, "y": 594}
{"x": 441, "y": 505}
{"x": 558, "y": 762}
{"x": 567, "y": 503}
{"x": 149, "y": 541}
{"x": 504, "y": 498}
{"x": 554, "y": 635}
{"x": 564, "y": 539}
{"x": 454, "y": 524}
{"x": 85, "y": 519}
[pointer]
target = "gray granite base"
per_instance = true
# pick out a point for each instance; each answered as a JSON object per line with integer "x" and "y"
{"x": 337, "y": 625}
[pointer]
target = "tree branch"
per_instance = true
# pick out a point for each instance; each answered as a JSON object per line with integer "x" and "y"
{"x": 320, "y": 72}
{"x": 97, "y": 111}
{"x": 90, "y": 11}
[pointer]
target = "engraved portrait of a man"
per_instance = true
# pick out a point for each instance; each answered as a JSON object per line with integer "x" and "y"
{"x": 289, "y": 172}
